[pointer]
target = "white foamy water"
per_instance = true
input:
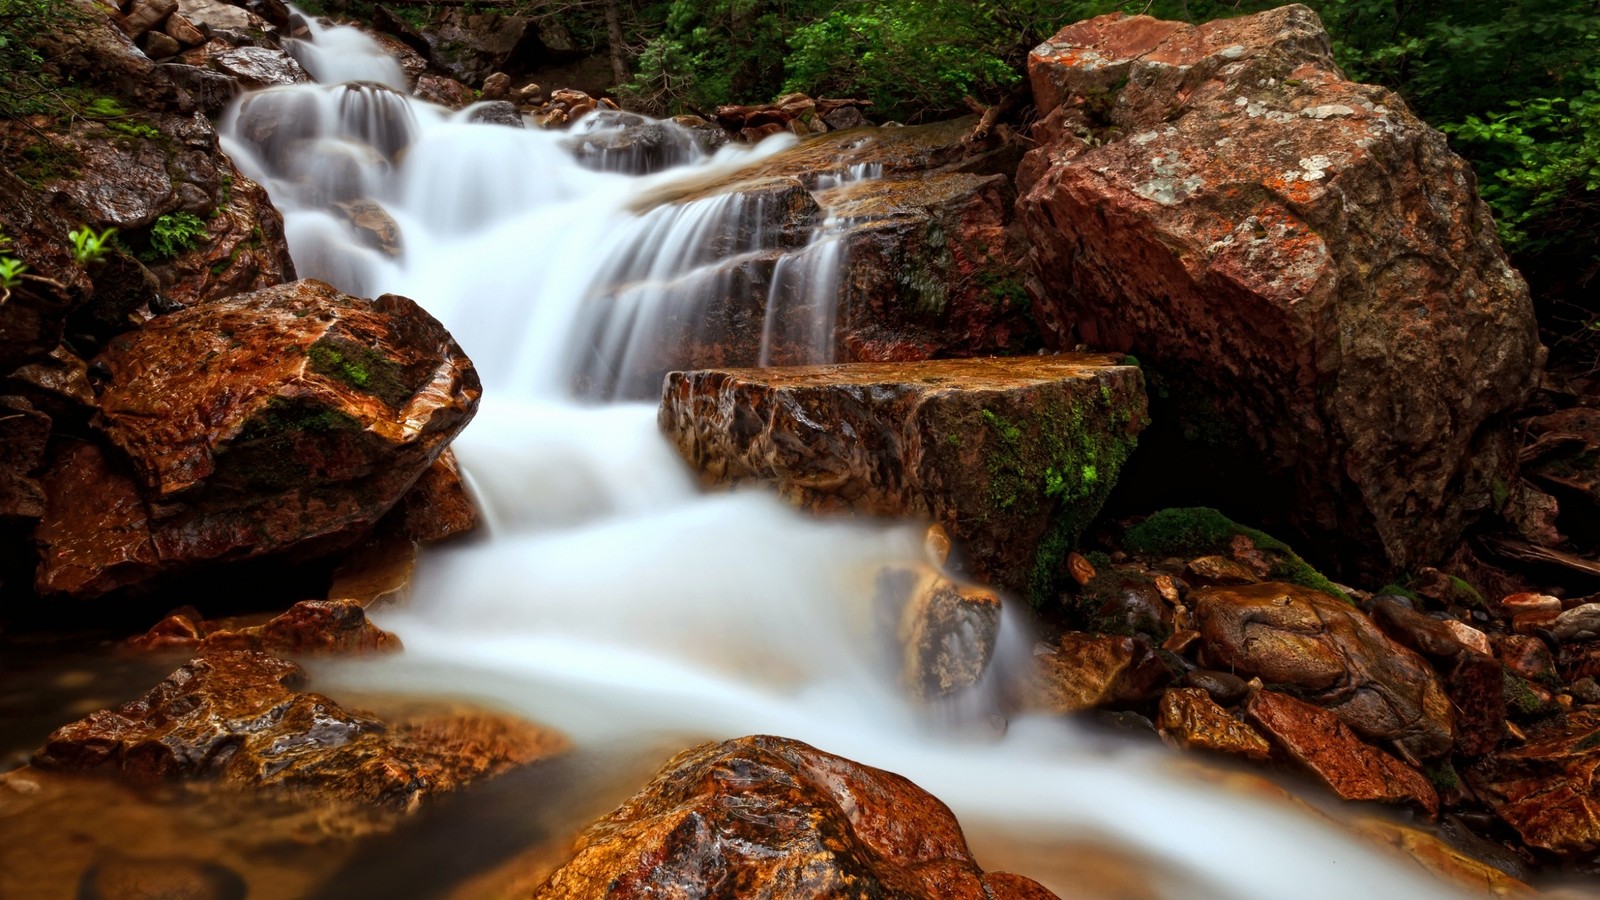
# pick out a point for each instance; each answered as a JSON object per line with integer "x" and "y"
{"x": 607, "y": 596}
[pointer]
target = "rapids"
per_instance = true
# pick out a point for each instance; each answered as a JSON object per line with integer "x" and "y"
{"x": 606, "y": 596}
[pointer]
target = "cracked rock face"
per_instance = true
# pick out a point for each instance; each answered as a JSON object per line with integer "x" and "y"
{"x": 1300, "y": 251}
{"x": 1329, "y": 654}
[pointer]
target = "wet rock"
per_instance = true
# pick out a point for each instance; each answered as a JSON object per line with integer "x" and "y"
{"x": 309, "y": 627}
{"x": 1118, "y": 602}
{"x": 373, "y": 226}
{"x": 287, "y": 419}
{"x": 1324, "y": 746}
{"x": 1546, "y": 789}
{"x": 129, "y": 878}
{"x": 1217, "y": 570}
{"x": 759, "y": 816}
{"x": 1331, "y": 654}
{"x": 1515, "y": 604}
{"x": 1529, "y": 657}
{"x": 1581, "y": 623}
{"x": 438, "y": 506}
{"x": 24, "y": 433}
{"x": 1224, "y": 687}
{"x": 216, "y": 15}
{"x": 259, "y": 67}
{"x": 1012, "y": 456}
{"x": 32, "y": 319}
{"x": 623, "y": 142}
{"x": 1425, "y": 634}
{"x": 496, "y": 112}
{"x": 180, "y": 29}
{"x": 471, "y": 46}
{"x": 143, "y": 15}
{"x": 244, "y": 248}
{"x": 945, "y": 632}
{"x": 1444, "y": 861}
{"x": 208, "y": 90}
{"x": 446, "y": 92}
{"x": 119, "y": 181}
{"x": 243, "y": 719}
{"x": 1085, "y": 671}
{"x": 1190, "y": 719}
{"x": 1476, "y": 684}
{"x": 1287, "y": 212}
{"x": 496, "y": 87}
{"x": 159, "y": 46}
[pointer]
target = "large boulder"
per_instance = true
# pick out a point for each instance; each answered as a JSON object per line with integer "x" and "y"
{"x": 767, "y": 817}
{"x": 1330, "y": 654}
{"x": 286, "y": 419}
{"x": 1014, "y": 457}
{"x": 1300, "y": 250}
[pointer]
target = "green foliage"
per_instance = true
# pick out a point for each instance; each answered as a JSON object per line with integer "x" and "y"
{"x": 11, "y": 268}
{"x": 88, "y": 247}
{"x": 1202, "y": 531}
{"x": 173, "y": 235}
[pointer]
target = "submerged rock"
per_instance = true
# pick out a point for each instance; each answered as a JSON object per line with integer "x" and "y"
{"x": 945, "y": 632}
{"x": 1331, "y": 654}
{"x": 287, "y": 419}
{"x": 1012, "y": 456}
{"x": 243, "y": 718}
{"x": 766, "y": 817}
{"x": 1300, "y": 251}
{"x": 1080, "y": 672}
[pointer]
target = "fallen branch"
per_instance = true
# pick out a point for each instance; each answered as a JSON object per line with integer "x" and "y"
{"x": 1521, "y": 552}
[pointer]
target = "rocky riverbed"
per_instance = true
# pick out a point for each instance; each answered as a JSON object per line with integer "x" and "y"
{"x": 1193, "y": 420}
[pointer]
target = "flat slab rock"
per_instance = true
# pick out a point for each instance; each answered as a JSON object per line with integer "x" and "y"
{"x": 1013, "y": 456}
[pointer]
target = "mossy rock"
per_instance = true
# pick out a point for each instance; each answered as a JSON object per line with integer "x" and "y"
{"x": 1203, "y": 531}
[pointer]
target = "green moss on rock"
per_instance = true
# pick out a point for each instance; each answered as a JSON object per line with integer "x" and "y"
{"x": 1202, "y": 531}
{"x": 1062, "y": 460}
{"x": 360, "y": 367}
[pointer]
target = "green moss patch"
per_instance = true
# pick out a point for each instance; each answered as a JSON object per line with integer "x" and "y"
{"x": 360, "y": 367}
{"x": 1203, "y": 531}
{"x": 1061, "y": 461}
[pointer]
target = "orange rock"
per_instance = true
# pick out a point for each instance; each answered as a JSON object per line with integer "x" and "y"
{"x": 1190, "y": 719}
{"x": 438, "y": 506}
{"x": 766, "y": 818}
{"x": 1547, "y": 789}
{"x": 290, "y": 419}
{"x": 1333, "y": 655}
{"x": 1084, "y": 671}
{"x": 243, "y": 718}
{"x": 1321, "y": 743}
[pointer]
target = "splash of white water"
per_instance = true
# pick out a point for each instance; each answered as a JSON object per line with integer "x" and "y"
{"x": 608, "y": 598}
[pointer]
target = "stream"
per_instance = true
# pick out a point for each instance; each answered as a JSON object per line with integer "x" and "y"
{"x": 607, "y": 596}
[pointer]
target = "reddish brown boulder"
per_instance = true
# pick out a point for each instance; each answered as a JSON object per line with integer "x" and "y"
{"x": 24, "y": 432}
{"x": 242, "y": 718}
{"x": 1330, "y": 654}
{"x": 244, "y": 248}
{"x": 767, "y": 817}
{"x": 1301, "y": 250}
{"x": 1317, "y": 740}
{"x": 1547, "y": 789}
{"x": 287, "y": 419}
{"x": 1014, "y": 457}
{"x": 943, "y": 632}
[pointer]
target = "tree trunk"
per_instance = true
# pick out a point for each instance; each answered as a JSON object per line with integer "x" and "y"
{"x": 619, "y": 55}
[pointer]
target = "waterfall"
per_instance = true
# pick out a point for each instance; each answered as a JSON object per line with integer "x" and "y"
{"x": 606, "y": 596}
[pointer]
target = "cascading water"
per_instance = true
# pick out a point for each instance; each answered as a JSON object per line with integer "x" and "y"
{"x": 607, "y": 597}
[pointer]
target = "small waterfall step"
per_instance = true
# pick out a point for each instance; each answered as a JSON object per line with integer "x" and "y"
{"x": 1013, "y": 456}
